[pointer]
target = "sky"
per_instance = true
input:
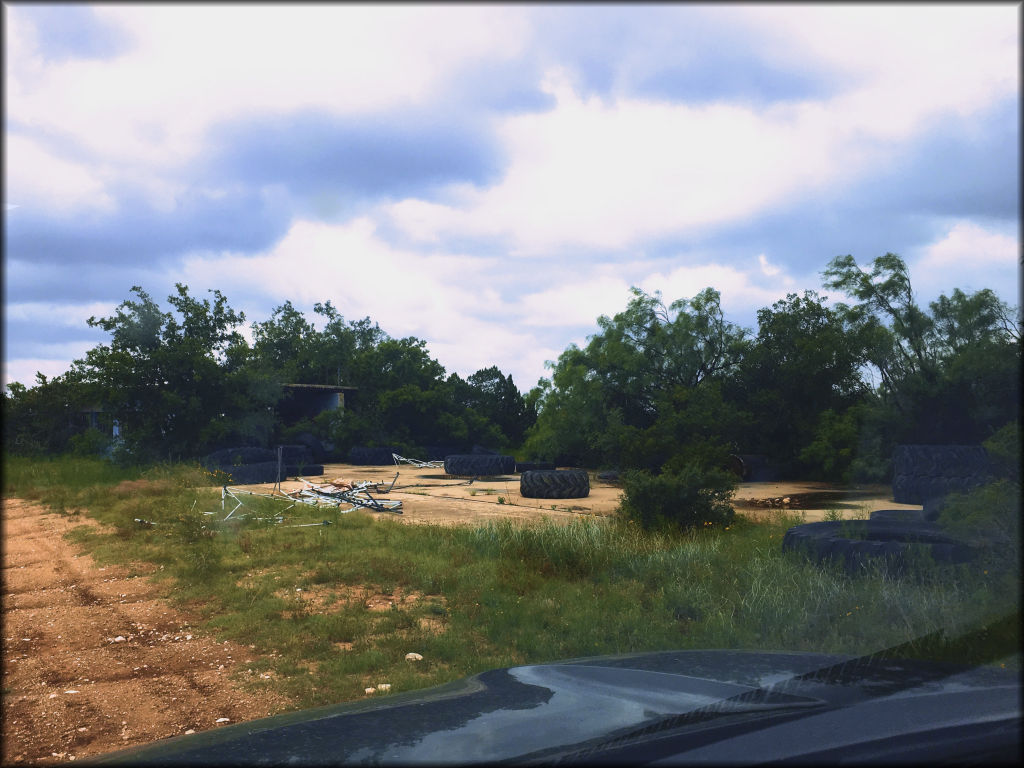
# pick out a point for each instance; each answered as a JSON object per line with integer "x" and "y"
{"x": 491, "y": 178}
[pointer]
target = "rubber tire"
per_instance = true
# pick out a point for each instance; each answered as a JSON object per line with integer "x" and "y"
{"x": 877, "y": 539}
{"x": 532, "y": 465}
{"x": 554, "y": 484}
{"x": 922, "y": 473}
{"x": 479, "y": 465}
{"x": 899, "y": 515}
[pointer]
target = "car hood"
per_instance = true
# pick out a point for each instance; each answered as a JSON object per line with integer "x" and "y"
{"x": 584, "y": 708}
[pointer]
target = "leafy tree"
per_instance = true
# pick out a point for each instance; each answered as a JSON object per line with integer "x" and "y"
{"x": 616, "y": 388}
{"x": 804, "y": 362}
{"x": 177, "y": 381}
{"x": 45, "y": 418}
{"x": 948, "y": 375}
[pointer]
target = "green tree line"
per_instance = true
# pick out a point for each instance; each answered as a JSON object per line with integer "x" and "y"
{"x": 821, "y": 391}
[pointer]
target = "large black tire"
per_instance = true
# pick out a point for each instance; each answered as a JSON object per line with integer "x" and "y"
{"x": 479, "y": 465}
{"x": 554, "y": 484}
{"x": 899, "y": 515}
{"x": 526, "y": 466}
{"x": 856, "y": 543}
{"x": 365, "y": 456}
{"x": 922, "y": 473}
{"x": 245, "y": 454}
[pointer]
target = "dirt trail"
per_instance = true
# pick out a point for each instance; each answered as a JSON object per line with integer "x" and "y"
{"x": 95, "y": 660}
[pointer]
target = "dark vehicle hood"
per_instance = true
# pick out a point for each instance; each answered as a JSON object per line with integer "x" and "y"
{"x": 722, "y": 706}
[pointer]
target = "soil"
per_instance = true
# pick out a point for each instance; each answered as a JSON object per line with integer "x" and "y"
{"x": 430, "y": 496}
{"x": 95, "y": 659}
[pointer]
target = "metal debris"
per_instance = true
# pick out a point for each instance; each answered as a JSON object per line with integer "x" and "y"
{"x": 417, "y": 463}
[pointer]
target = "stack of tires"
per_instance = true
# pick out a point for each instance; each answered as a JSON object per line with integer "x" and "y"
{"x": 854, "y": 544}
{"x": 479, "y": 464}
{"x": 246, "y": 465}
{"x": 923, "y": 473}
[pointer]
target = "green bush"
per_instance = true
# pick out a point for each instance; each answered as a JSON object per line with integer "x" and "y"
{"x": 686, "y": 498}
{"x": 92, "y": 442}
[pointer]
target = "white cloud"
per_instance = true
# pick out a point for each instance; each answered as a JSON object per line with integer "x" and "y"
{"x": 67, "y": 315}
{"x": 742, "y": 293}
{"x": 190, "y": 66}
{"x": 35, "y": 177}
{"x": 574, "y": 303}
{"x": 970, "y": 257}
{"x": 766, "y": 267}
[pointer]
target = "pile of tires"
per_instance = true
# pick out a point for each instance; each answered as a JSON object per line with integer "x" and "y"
{"x": 366, "y": 456}
{"x": 922, "y": 473}
{"x": 479, "y": 464}
{"x": 554, "y": 484}
{"x": 246, "y": 465}
{"x": 892, "y": 543}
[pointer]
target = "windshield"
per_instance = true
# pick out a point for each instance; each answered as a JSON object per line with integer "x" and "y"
{"x": 352, "y": 351}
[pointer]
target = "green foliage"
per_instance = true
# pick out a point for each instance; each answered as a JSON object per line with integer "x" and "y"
{"x": 687, "y": 497}
{"x": 493, "y": 595}
{"x": 803, "y": 365}
{"x": 92, "y": 442}
{"x": 601, "y": 402}
{"x": 1003, "y": 450}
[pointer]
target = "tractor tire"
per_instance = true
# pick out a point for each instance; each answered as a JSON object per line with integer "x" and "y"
{"x": 857, "y": 543}
{"x": 479, "y": 465}
{"x": 923, "y": 473}
{"x": 554, "y": 484}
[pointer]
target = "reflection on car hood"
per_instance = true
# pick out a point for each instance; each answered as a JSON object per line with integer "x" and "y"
{"x": 588, "y": 706}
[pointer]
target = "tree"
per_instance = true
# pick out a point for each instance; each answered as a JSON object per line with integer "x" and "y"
{"x": 949, "y": 375}
{"x": 804, "y": 362}
{"x": 178, "y": 381}
{"x": 617, "y": 386}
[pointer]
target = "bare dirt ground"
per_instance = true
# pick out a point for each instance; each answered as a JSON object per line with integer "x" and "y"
{"x": 95, "y": 660}
{"x": 430, "y": 496}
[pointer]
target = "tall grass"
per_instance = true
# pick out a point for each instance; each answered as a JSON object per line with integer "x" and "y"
{"x": 487, "y": 596}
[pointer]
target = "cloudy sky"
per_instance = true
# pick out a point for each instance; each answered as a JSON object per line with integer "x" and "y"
{"x": 492, "y": 178}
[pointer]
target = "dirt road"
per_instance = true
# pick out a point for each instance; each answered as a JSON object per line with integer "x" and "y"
{"x": 95, "y": 660}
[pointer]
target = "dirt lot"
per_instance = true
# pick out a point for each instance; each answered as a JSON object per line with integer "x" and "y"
{"x": 95, "y": 659}
{"x": 430, "y": 496}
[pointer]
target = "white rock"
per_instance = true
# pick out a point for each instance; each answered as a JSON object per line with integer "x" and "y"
{"x": 189, "y": 731}
{"x": 223, "y": 720}
{"x": 71, "y": 691}
{"x": 370, "y": 690}
{"x": 119, "y": 639}
{"x": 384, "y": 686}
{"x": 413, "y": 657}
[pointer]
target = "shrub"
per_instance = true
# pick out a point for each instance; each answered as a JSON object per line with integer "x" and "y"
{"x": 686, "y": 498}
{"x": 92, "y": 442}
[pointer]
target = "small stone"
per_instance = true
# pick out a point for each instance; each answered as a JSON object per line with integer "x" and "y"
{"x": 190, "y": 731}
{"x": 370, "y": 690}
{"x": 223, "y": 720}
{"x": 413, "y": 657}
{"x": 384, "y": 686}
{"x": 119, "y": 639}
{"x": 83, "y": 729}
{"x": 71, "y": 691}
{"x": 53, "y": 695}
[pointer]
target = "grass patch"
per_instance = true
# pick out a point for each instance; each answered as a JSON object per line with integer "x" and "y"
{"x": 334, "y": 609}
